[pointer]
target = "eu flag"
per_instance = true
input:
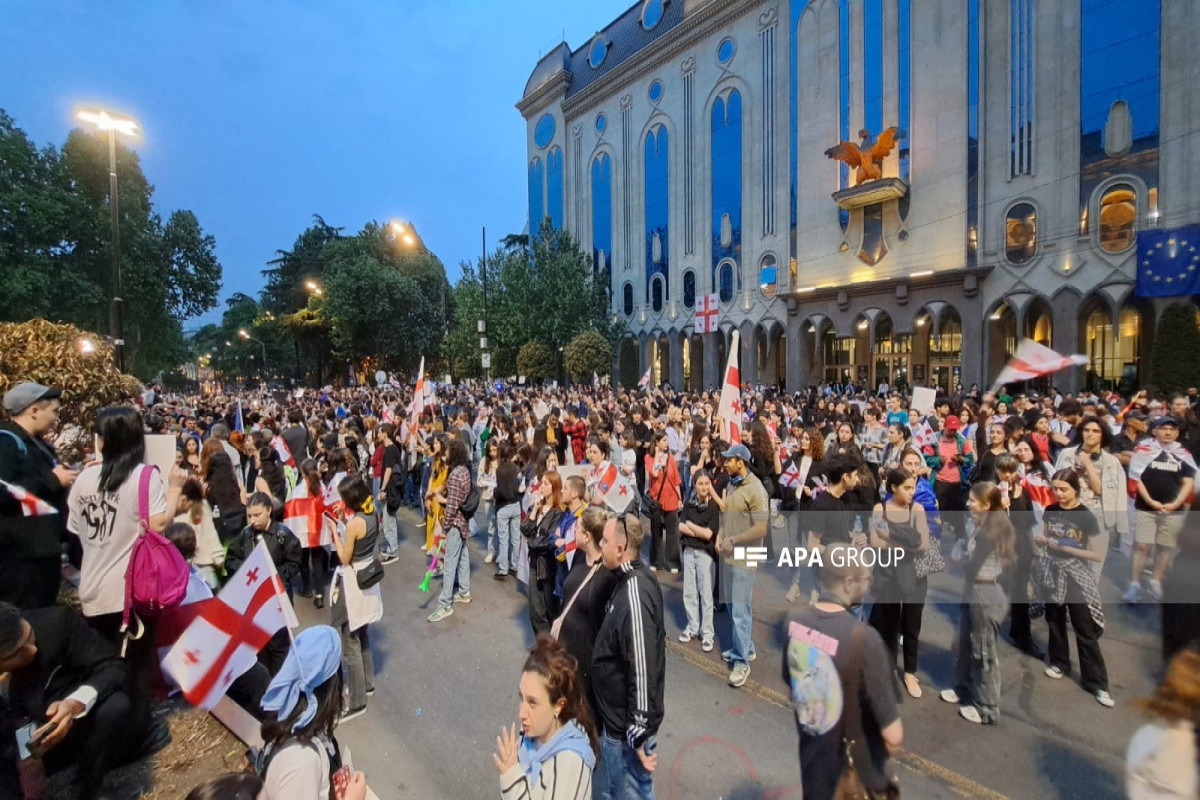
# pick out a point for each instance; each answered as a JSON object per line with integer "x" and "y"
{"x": 1168, "y": 262}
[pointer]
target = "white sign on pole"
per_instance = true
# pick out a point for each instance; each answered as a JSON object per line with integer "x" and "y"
{"x": 487, "y": 360}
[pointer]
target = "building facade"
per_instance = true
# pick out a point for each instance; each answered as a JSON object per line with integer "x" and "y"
{"x": 685, "y": 147}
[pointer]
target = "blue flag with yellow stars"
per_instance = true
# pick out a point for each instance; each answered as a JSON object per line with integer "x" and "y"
{"x": 1168, "y": 262}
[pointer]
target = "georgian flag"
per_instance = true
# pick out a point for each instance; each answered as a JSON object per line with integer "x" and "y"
{"x": 1033, "y": 360}
{"x": 645, "y": 381}
{"x": 925, "y": 437}
{"x": 729, "y": 409}
{"x": 31, "y": 504}
{"x": 303, "y": 515}
{"x": 620, "y": 496}
{"x": 285, "y": 455}
{"x": 790, "y": 476}
{"x": 224, "y": 639}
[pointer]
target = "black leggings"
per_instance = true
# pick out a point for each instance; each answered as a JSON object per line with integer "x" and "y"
{"x": 314, "y": 569}
{"x": 140, "y": 663}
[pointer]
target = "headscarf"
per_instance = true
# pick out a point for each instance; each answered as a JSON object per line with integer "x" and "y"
{"x": 315, "y": 658}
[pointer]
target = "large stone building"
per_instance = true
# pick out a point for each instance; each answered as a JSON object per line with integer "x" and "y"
{"x": 685, "y": 146}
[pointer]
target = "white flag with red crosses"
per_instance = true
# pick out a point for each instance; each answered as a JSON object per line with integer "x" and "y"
{"x": 31, "y": 504}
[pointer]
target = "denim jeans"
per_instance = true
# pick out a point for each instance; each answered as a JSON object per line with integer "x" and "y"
{"x": 390, "y": 523}
{"x": 741, "y": 615}
{"x": 456, "y": 567}
{"x": 977, "y": 667}
{"x": 697, "y": 591}
{"x": 412, "y": 489}
{"x": 508, "y": 537}
{"x": 490, "y": 513}
{"x": 620, "y": 775}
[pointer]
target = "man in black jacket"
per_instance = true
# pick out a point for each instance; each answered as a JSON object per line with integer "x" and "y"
{"x": 67, "y": 681}
{"x": 31, "y": 546}
{"x": 629, "y": 667}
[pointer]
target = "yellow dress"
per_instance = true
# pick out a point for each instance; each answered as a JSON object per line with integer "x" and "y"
{"x": 437, "y": 482}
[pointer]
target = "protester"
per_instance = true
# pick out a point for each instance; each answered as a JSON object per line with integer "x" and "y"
{"x": 67, "y": 682}
{"x": 507, "y": 498}
{"x": 699, "y": 531}
{"x": 1101, "y": 482}
{"x": 355, "y": 605}
{"x": 456, "y": 578}
{"x": 665, "y": 491}
{"x": 391, "y": 489}
{"x": 991, "y": 549}
{"x": 193, "y": 509}
{"x": 1068, "y": 585}
{"x": 1181, "y": 597}
{"x": 539, "y": 529}
{"x": 833, "y": 663}
{"x": 1019, "y": 507}
{"x": 629, "y": 668}
{"x": 951, "y": 458}
{"x": 745, "y": 524}
{"x": 553, "y": 756}
{"x": 1160, "y": 762}
{"x": 899, "y": 527}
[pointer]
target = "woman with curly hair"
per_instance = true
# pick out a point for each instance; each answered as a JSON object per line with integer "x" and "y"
{"x": 1161, "y": 759}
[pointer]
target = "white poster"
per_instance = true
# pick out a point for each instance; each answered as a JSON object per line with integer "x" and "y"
{"x": 923, "y": 399}
{"x": 160, "y": 451}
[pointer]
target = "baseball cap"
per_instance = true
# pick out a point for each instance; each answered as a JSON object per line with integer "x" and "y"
{"x": 953, "y": 423}
{"x": 1138, "y": 416}
{"x": 1166, "y": 419}
{"x": 737, "y": 451}
{"x": 23, "y": 395}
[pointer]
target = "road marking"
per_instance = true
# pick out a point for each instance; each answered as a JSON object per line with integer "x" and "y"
{"x": 960, "y": 784}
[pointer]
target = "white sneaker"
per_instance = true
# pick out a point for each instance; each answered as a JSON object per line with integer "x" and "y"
{"x": 739, "y": 674}
{"x": 1133, "y": 594}
{"x": 706, "y": 644}
{"x": 686, "y": 637}
{"x": 489, "y": 558}
{"x": 462, "y": 597}
{"x": 949, "y": 696}
{"x": 1055, "y": 673}
{"x": 1154, "y": 589}
{"x": 674, "y": 571}
{"x": 970, "y": 714}
{"x": 1104, "y": 698}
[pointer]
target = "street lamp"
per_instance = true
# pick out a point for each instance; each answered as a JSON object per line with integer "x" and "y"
{"x": 242, "y": 333}
{"x": 114, "y": 125}
{"x": 313, "y": 287}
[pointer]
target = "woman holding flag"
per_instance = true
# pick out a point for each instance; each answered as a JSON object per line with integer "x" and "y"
{"x": 304, "y": 515}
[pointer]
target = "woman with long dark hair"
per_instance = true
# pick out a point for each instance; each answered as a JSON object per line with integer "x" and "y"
{"x": 1067, "y": 583}
{"x": 311, "y": 531}
{"x": 456, "y": 557}
{"x": 553, "y": 755}
{"x": 538, "y": 528}
{"x": 354, "y": 608}
{"x": 991, "y": 549}
{"x": 226, "y": 497}
{"x": 105, "y": 513}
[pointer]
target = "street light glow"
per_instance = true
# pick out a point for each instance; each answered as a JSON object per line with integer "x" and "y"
{"x": 86, "y": 346}
{"x": 313, "y": 287}
{"x": 242, "y": 333}
{"x": 107, "y": 122}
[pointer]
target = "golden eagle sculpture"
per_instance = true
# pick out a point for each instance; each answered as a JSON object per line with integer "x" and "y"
{"x": 867, "y": 158}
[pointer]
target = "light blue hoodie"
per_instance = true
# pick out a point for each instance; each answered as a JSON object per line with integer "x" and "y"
{"x": 570, "y": 738}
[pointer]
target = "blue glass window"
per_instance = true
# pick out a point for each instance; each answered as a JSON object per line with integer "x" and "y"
{"x": 554, "y": 186}
{"x": 727, "y": 181}
{"x": 725, "y": 51}
{"x": 536, "y": 190}
{"x": 689, "y": 289}
{"x": 905, "y": 86}
{"x": 543, "y": 133}
{"x": 602, "y": 215}
{"x": 657, "y": 199}
{"x": 601, "y": 122}
{"x": 598, "y": 52}
{"x": 656, "y": 293}
{"x": 627, "y": 299}
{"x": 844, "y": 96}
{"x": 726, "y": 290}
{"x": 655, "y": 92}
{"x": 1020, "y": 87}
{"x": 1119, "y": 61}
{"x": 652, "y": 13}
{"x": 873, "y": 66}
{"x": 768, "y": 276}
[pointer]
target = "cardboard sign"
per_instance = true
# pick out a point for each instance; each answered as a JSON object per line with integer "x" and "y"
{"x": 160, "y": 452}
{"x": 923, "y": 399}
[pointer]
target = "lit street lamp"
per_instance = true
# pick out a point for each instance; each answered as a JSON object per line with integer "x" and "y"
{"x": 114, "y": 125}
{"x": 313, "y": 287}
{"x": 242, "y": 333}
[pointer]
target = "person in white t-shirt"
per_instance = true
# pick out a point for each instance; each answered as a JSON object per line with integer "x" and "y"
{"x": 103, "y": 512}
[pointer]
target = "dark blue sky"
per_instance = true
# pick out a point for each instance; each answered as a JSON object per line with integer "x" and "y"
{"x": 257, "y": 115}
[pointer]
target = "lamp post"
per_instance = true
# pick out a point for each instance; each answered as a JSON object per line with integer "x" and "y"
{"x": 243, "y": 333}
{"x": 114, "y": 125}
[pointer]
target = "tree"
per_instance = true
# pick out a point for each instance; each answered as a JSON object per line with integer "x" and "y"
{"x": 535, "y": 361}
{"x": 587, "y": 354}
{"x": 1175, "y": 361}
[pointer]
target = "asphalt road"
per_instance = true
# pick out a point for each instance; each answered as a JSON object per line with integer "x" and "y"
{"x": 444, "y": 690}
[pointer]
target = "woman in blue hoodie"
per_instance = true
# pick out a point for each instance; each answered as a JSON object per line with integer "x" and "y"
{"x": 552, "y": 756}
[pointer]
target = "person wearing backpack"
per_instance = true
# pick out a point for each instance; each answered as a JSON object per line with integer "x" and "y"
{"x": 300, "y": 758}
{"x": 105, "y": 512}
{"x": 457, "y": 500}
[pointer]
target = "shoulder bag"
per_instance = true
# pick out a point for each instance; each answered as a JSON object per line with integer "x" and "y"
{"x": 556, "y": 627}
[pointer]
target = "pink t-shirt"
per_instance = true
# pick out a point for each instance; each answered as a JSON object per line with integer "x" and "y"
{"x": 948, "y": 449}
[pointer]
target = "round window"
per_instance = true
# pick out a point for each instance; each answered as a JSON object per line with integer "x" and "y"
{"x": 544, "y": 132}
{"x": 601, "y": 123}
{"x": 656, "y": 91}
{"x": 598, "y": 52}
{"x": 725, "y": 51}
{"x": 652, "y": 14}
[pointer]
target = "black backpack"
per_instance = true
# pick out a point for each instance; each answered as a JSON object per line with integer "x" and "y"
{"x": 470, "y": 503}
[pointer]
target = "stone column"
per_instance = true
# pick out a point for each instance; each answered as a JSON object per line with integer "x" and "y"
{"x": 712, "y": 364}
{"x": 797, "y": 356}
{"x": 974, "y": 334}
{"x": 1064, "y": 310}
{"x": 643, "y": 355}
{"x": 675, "y": 359}
{"x": 748, "y": 354}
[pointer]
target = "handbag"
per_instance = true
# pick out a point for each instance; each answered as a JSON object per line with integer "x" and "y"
{"x": 931, "y": 561}
{"x": 651, "y": 505}
{"x": 556, "y": 626}
{"x": 850, "y": 785}
{"x": 372, "y": 573}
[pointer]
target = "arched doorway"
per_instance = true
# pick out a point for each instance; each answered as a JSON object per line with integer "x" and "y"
{"x": 1113, "y": 350}
{"x": 629, "y": 362}
{"x": 945, "y": 352}
{"x": 1039, "y": 323}
{"x": 838, "y": 357}
{"x": 685, "y": 346}
{"x": 890, "y": 355}
{"x": 660, "y": 354}
{"x": 1002, "y": 338}
{"x": 696, "y": 372}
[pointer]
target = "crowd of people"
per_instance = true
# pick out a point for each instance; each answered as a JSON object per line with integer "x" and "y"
{"x": 1027, "y": 494}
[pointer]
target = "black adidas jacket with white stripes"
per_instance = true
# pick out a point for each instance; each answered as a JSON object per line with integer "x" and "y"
{"x": 629, "y": 658}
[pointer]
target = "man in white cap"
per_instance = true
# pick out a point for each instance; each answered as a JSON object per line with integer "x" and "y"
{"x": 31, "y": 546}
